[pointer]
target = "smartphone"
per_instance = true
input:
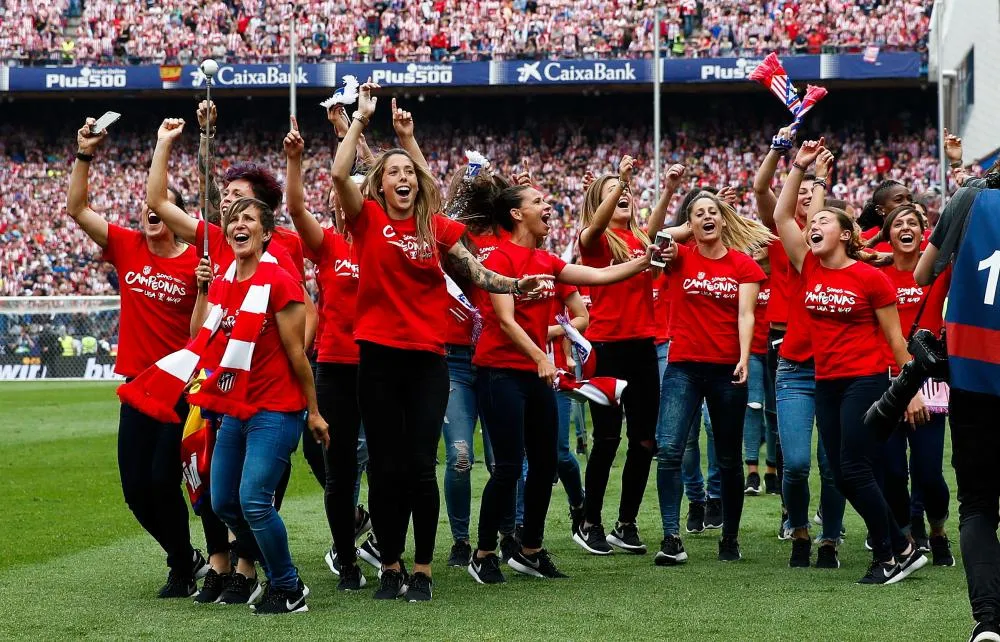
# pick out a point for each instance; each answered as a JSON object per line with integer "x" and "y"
{"x": 663, "y": 241}
{"x": 105, "y": 121}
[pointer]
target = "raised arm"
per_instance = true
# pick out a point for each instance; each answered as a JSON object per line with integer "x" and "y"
{"x": 675, "y": 173}
{"x": 341, "y": 123}
{"x": 77, "y": 201}
{"x": 349, "y": 193}
{"x": 762, "y": 191}
{"x": 467, "y": 266}
{"x": 182, "y": 225}
{"x": 203, "y": 274}
{"x": 503, "y": 305}
{"x": 784, "y": 211}
{"x": 585, "y": 275}
{"x": 824, "y": 167}
{"x": 745, "y": 322}
{"x": 305, "y": 223}
{"x": 207, "y": 116}
{"x": 602, "y": 217}
{"x": 402, "y": 122}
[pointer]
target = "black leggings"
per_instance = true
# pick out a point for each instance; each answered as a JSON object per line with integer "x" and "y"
{"x": 520, "y": 410}
{"x": 634, "y": 361}
{"x": 337, "y": 394}
{"x": 402, "y": 395}
{"x": 149, "y": 462}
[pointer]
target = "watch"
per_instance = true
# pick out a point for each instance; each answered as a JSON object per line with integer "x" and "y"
{"x": 86, "y": 158}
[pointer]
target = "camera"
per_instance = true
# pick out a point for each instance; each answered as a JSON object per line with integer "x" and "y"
{"x": 930, "y": 360}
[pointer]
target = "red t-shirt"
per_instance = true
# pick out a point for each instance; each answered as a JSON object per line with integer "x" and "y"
{"x": 273, "y": 384}
{"x": 846, "y": 336}
{"x": 661, "y": 308}
{"x": 705, "y": 326}
{"x": 558, "y": 348}
{"x": 292, "y": 244}
{"x": 157, "y": 297}
{"x": 760, "y": 323}
{"x": 781, "y": 282}
{"x": 797, "y": 344}
{"x": 909, "y": 297}
{"x": 402, "y": 297}
{"x": 459, "y": 330}
{"x": 623, "y": 310}
{"x": 222, "y": 254}
{"x": 495, "y": 349}
{"x": 337, "y": 276}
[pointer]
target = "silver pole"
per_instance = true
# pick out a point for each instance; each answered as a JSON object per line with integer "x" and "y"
{"x": 656, "y": 104}
{"x": 208, "y": 165}
{"x": 292, "y": 68}
{"x": 938, "y": 27}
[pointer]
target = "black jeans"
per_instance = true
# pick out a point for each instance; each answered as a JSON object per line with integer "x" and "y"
{"x": 520, "y": 410}
{"x": 149, "y": 463}
{"x": 975, "y": 451}
{"x": 853, "y": 450}
{"x": 402, "y": 395}
{"x": 337, "y": 395}
{"x": 926, "y": 454}
{"x": 774, "y": 340}
{"x": 635, "y": 362}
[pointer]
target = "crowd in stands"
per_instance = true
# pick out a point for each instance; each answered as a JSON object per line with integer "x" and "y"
{"x": 186, "y": 31}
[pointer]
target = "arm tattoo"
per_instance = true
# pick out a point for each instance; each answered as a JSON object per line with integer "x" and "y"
{"x": 466, "y": 265}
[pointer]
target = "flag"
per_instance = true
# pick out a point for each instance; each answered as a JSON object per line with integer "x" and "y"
{"x": 605, "y": 391}
{"x": 871, "y": 54}
{"x": 773, "y": 76}
{"x": 196, "y": 452}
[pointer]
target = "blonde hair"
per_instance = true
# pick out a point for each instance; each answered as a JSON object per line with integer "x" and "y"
{"x": 739, "y": 233}
{"x": 619, "y": 248}
{"x": 426, "y": 204}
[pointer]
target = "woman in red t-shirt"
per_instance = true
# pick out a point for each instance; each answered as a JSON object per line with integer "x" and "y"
{"x": 623, "y": 331}
{"x": 399, "y": 241}
{"x": 904, "y": 228}
{"x": 515, "y": 382}
{"x": 156, "y": 272}
{"x": 852, "y": 313}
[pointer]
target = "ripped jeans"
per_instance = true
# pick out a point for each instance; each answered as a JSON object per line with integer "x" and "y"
{"x": 459, "y": 438}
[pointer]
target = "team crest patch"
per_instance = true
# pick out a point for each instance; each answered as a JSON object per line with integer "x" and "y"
{"x": 226, "y": 381}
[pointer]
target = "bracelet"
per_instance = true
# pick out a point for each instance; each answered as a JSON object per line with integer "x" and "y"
{"x": 207, "y": 136}
{"x": 357, "y": 115}
{"x": 797, "y": 165}
{"x": 515, "y": 289}
{"x": 820, "y": 182}
{"x": 86, "y": 158}
{"x": 955, "y": 164}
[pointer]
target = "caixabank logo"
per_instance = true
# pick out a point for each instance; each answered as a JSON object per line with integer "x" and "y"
{"x": 557, "y": 72}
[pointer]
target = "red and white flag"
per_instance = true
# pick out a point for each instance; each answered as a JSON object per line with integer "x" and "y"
{"x": 606, "y": 391}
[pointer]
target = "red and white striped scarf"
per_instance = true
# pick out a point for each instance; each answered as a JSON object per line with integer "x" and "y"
{"x": 156, "y": 390}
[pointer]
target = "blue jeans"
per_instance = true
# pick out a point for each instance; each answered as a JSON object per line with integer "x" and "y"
{"x": 690, "y": 384}
{"x": 249, "y": 459}
{"x": 694, "y": 481}
{"x": 758, "y": 424}
{"x": 459, "y": 438}
{"x": 796, "y": 402}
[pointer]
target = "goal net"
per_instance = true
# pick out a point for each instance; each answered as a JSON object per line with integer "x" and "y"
{"x": 58, "y": 337}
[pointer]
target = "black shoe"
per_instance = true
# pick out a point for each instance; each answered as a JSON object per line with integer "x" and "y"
{"x": 538, "y": 564}
{"x": 985, "y": 632}
{"x": 486, "y": 570}
{"x": 576, "y": 518}
{"x": 593, "y": 540}
{"x": 392, "y": 584}
{"x": 818, "y": 517}
{"x": 241, "y": 590}
{"x": 918, "y": 531}
{"x": 332, "y": 561}
{"x": 671, "y": 552}
{"x": 351, "y": 579}
{"x": 581, "y": 446}
{"x": 941, "y": 551}
{"x": 868, "y": 543}
{"x": 199, "y": 565}
{"x": 212, "y": 588}
{"x": 753, "y": 484}
{"x": 280, "y": 601}
{"x": 713, "y": 513}
{"x": 461, "y": 553}
{"x": 771, "y": 486}
{"x": 729, "y": 549}
{"x": 508, "y": 546}
{"x": 696, "y": 517}
{"x": 827, "y": 556}
{"x": 626, "y": 537}
{"x": 909, "y": 564}
{"x": 178, "y": 584}
{"x": 801, "y": 552}
{"x": 419, "y": 588}
{"x": 880, "y": 573}
{"x": 369, "y": 551}
{"x": 362, "y": 522}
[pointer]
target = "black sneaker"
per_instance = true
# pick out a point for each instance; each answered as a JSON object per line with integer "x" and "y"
{"x": 671, "y": 552}
{"x": 199, "y": 565}
{"x": 696, "y": 517}
{"x": 753, "y": 484}
{"x": 880, "y": 573}
{"x": 909, "y": 564}
{"x": 486, "y": 570}
{"x": 729, "y": 549}
{"x": 369, "y": 551}
{"x": 918, "y": 530}
{"x": 626, "y": 537}
{"x": 826, "y": 557}
{"x": 508, "y": 546}
{"x": 538, "y": 564}
{"x": 351, "y": 579}
{"x": 713, "y": 513}
{"x": 362, "y": 522}
{"x": 241, "y": 590}
{"x": 868, "y": 543}
{"x": 419, "y": 588}
{"x": 280, "y": 601}
{"x": 392, "y": 584}
{"x": 331, "y": 561}
{"x": 818, "y": 517}
{"x": 801, "y": 552}
{"x": 985, "y": 632}
{"x": 179, "y": 584}
{"x": 212, "y": 588}
{"x": 461, "y": 553}
{"x": 941, "y": 551}
{"x": 771, "y": 486}
{"x": 593, "y": 540}
{"x": 576, "y": 518}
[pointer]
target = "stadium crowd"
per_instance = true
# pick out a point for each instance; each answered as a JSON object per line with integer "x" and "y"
{"x": 182, "y": 31}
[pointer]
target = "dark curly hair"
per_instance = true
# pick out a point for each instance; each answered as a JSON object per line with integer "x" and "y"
{"x": 266, "y": 186}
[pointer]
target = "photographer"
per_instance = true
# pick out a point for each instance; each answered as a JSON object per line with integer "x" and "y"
{"x": 973, "y": 324}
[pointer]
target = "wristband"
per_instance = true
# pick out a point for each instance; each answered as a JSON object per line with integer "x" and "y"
{"x": 955, "y": 164}
{"x": 819, "y": 182}
{"x": 780, "y": 144}
{"x": 516, "y": 288}
{"x": 86, "y": 158}
{"x": 797, "y": 165}
{"x": 357, "y": 115}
